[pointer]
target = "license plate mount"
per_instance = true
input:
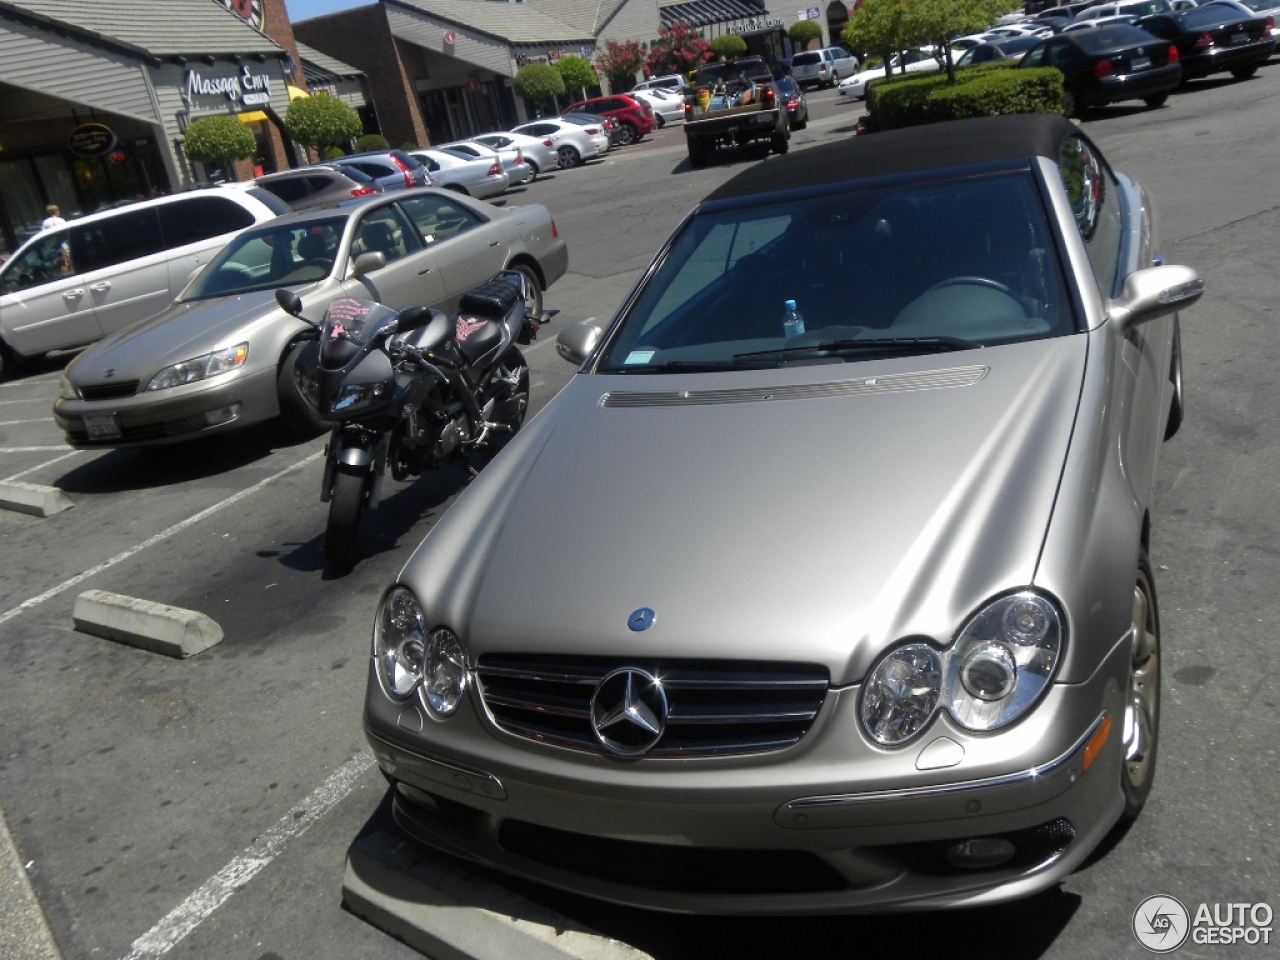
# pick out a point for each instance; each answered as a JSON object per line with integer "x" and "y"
{"x": 1239, "y": 38}
{"x": 1140, "y": 63}
{"x": 103, "y": 426}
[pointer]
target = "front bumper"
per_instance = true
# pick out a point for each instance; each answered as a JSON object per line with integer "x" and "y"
{"x": 831, "y": 825}
{"x": 180, "y": 413}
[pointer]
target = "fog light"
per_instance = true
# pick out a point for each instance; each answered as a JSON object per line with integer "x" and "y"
{"x": 980, "y": 853}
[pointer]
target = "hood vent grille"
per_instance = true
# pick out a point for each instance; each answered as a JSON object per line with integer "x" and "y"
{"x": 892, "y": 383}
{"x": 716, "y": 707}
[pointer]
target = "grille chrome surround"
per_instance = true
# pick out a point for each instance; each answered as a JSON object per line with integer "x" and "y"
{"x": 717, "y": 707}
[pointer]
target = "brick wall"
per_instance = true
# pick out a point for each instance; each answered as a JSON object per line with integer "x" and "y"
{"x": 362, "y": 38}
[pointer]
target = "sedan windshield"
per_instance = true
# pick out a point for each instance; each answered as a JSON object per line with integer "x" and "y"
{"x": 275, "y": 256}
{"x": 904, "y": 269}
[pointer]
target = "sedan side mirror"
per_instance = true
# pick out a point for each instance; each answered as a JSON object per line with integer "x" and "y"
{"x": 578, "y": 341}
{"x": 1155, "y": 292}
{"x": 368, "y": 262}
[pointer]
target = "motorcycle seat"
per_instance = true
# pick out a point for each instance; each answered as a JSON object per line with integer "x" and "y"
{"x": 477, "y": 337}
{"x": 492, "y": 299}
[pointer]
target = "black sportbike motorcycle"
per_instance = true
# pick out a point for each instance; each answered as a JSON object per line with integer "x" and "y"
{"x": 413, "y": 389}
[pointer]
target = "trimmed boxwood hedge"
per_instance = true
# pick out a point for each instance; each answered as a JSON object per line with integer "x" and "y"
{"x": 987, "y": 90}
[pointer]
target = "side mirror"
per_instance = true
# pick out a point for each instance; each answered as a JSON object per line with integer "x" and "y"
{"x": 1155, "y": 292}
{"x": 368, "y": 262}
{"x": 578, "y": 341}
{"x": 289, "y": 302}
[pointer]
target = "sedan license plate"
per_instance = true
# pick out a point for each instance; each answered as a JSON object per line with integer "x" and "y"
{"x": 1140, "y": 63}
{"x": 102, "y": 427}
{"x": 1239, "y": 38}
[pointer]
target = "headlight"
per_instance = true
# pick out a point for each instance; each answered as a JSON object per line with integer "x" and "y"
{"x": 399, "y": 639}
{"x": 66, "y": 391}
{"x": 358, "y": 395}
{"x": 995, "y": 671}
{"x": 445, "y": 674}
{"x": 211, "y": 364}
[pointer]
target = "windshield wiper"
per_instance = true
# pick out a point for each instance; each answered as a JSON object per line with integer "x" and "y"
{"x": 838, "y": 347}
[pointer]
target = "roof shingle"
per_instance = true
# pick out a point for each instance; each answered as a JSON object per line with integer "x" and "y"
{"x": 513, "y": 22}
{"x": 311, "y": 57}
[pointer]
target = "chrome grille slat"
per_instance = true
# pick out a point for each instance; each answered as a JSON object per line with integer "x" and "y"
{"x": 716, "y": 708}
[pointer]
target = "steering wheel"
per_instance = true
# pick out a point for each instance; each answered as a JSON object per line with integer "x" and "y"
{"x": 975, "y": 282}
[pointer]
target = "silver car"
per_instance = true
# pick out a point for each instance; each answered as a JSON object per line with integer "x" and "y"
{"x": 481, "y": 177}
{"x": 513, "y": 162}
{"x": 538, "y": 153}
{"x": 222, "y": 355}
{"x": 849, "y": 512}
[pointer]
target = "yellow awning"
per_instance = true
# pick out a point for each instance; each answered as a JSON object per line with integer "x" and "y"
{"x": 296, "y": 93}
{"x": 252, "y": 116}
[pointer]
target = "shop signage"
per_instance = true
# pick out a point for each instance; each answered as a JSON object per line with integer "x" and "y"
{"x": 250, "y": 11}
{"x": 757, "y": 23}
{"x": 248, "y": 87}
{"x": 472, "y": 85}
{"x": 451, "y": 38}
{"x": 551, "y": 57}
{"x": 92, "y": 140}
{"x": 811, "y": 13}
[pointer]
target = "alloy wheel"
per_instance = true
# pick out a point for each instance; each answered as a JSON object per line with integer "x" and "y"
{"x": 1142, "y": 704}
{"x": 566, "y": 158}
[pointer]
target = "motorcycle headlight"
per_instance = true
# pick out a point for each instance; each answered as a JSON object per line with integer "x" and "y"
{"x": 198, "y": 368}
{"x": 67, "y": 390}
{"x": 996, "y": 670}
{"x": 355, "y": 395}
{"x": 399, "y": 641}
{"x": 444, "y": 674}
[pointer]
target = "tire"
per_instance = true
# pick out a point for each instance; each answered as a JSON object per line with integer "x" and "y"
{"x": 1069, "y": 106}
{"x": 7, "y": 362}
{"x": 1156, "y": 101}
{"x": 627, "y": 134}
{"x": 699, "y": 153}
{"x": 296, "y": 414}
{"x": 1140, "y": 731}
{"x": 531, "y": 275}
{"x": 1244, "y": 73}
{"x": 661, "y": 122}
{"x": 1175, "y": 377}
{"x": 515, "y": 362}
{"x": 533, "y": 171}
{"x": 567, "y": 158}
{"x": 780, "y": 142}
{"x": 341, "y": 536}
{"x": 802, "y": 124}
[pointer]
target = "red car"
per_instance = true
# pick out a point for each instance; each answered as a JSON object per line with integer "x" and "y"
{"x": 634, "y": 119}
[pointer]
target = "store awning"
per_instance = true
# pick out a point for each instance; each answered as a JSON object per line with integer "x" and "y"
{"x": 251, "y": 116}
{"x": 703, "y": 13}
{"x": 296, "y": 93}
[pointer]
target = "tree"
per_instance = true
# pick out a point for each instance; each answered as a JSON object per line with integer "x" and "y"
{"x": 576, "y": 73}
{"x": 679, "y": 49}
{"x": 218, "y": 141}
{"x": 539, "y": 82}
{"x": 321, "y": 121}
{"x": 937, "y": 21}
{"x": 332, "y": 153}
{"x": 803, "y": 32}
{"x": 878, "y": 26}
{"x": 619, "y": 62}
{"x": 728, "y": 46}
{"x": 372, "y": 141}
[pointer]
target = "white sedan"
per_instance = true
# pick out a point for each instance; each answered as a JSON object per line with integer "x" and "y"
{"x": 479, "y": 178}
{"x": 668, "y": 106}
{"x": 574, "y": 144}
{"x": 917, "y": 61}
{"x": 538, "y": 152}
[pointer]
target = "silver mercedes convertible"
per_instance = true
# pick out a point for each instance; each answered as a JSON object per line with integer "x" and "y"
{"x": 824, "y": 585}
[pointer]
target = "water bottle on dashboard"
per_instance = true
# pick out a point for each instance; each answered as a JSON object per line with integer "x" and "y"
{"x": 792, "y": 322}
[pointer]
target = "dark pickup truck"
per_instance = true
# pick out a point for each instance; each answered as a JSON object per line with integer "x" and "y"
{"x": 732, "y": 104}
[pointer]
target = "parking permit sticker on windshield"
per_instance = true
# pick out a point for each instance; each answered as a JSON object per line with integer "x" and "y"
{"x": 639, "y": 356}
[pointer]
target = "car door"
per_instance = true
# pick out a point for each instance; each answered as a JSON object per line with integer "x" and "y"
{"x": 468, "y": 249}
{"x": 411, "y": 277}
{"x": 194, "y": 230}
{"x": 124, "y": 266}
{"x": 44, "y": 304}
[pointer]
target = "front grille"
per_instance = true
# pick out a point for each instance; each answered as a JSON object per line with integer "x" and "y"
{"x": 662, "y": 867}
{"x": 716, "y": 707}
{"x": 109, "y": 391}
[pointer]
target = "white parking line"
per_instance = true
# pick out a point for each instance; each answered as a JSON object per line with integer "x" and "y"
{"x": 39, "y": 466}
{"x": 31, "y": 449}
{"x": 215, "y": 891}
{"x": 152, "y": 541}
{"x": 7, "y": 403}
{"x": 30, "y": 380}
{"x": 14, "y": 423}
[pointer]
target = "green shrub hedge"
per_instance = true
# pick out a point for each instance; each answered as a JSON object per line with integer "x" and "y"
{"x": 987, "y": 90}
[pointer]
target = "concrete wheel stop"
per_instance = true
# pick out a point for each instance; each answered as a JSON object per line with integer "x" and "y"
{"x": 448, "y": 913}
{"x": 157, "y": 627}
{"x": 33, "y": 499}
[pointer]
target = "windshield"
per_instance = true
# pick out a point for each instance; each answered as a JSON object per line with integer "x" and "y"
{"x": 969, "y": 261}
{"x": 354, "y": 321}
{"x": 273, "y": 256}
{"x": 1111, "y": 38}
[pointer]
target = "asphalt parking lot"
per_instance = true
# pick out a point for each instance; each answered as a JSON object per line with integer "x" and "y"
{"x": 133, "y": 784}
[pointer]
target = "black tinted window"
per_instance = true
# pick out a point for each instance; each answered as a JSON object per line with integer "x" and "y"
{"x": 201, "y": 218}
{"x": 1209, "y": 15}
{"x": 804, "y": 59}
{"x": 1110, "y": 38}
{"x": 1093, "y": 195}
{"x": 119, "y": 238}
{"x": 47, "y": 259}
{"x": 269, "y": 200}
{"x": 290, "y": 189}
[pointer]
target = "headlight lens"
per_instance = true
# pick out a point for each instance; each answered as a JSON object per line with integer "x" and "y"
{"x": 358, "y": 395}
{"x": 445, "y": 674}
{"x": 399, "y": 639}
{"x": 66, "y": 391}
{"x": 995, "y": 671}
{"x": 209, "y": 365}
{"x": 902, "y": 693}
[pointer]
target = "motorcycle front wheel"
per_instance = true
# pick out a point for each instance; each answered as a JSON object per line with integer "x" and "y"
{"x": 345, "y": 505}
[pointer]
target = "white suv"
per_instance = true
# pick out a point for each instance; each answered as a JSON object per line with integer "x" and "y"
{"x": 100, "y": 273}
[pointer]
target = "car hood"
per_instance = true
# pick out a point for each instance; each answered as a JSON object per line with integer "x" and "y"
{"x": 891, "y": 502}
{"x": 182, "y": 331}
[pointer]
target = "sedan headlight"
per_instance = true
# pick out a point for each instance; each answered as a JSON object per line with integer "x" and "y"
{"x": 444, "y": 674}
{"x": 66, "y": 389}
{"x": 996, "y": 670}
{"x": 209, "y": 365}
{"x": 399, "y": 640}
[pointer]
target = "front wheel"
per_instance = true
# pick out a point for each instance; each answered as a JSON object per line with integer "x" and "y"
{"x": 567, "y": 158}
{"x": 1141, "y": 731}
{"x": 7, "y": 362}
{"x": 1156, "y": 101}
{"x": 1244, "y": 73}
{"x": 340, "y": 537}
{"x": 296, "y": 414}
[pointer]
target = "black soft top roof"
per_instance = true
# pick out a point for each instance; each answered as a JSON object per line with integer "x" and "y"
{"x": 930, "y": 146}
